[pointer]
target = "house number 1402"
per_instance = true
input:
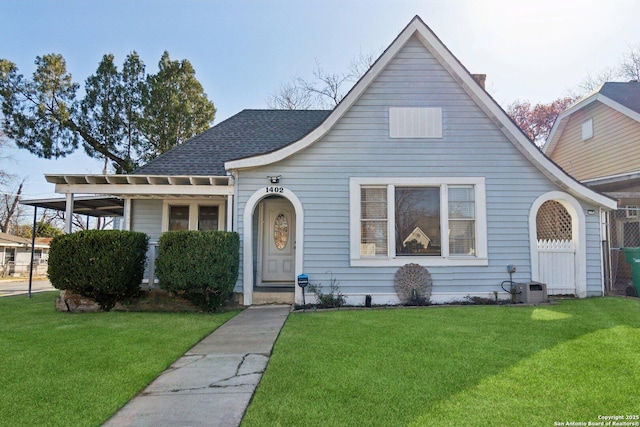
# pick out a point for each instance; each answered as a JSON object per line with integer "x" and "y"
{"x": 279, "y": 190}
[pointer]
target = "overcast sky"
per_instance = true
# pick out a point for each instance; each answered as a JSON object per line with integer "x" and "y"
{"x": 243, "y": 50}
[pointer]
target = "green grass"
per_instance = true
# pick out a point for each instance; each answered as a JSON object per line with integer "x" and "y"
{"x": 454, "y": 366}
{"x": 62, "y": 369}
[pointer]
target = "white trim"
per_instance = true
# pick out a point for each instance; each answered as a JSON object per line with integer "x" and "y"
{"x": 127, "y": 214}
{"x": 391, "y": 298}
{"x": 478, "y": 183}
{"x": 613, "y": 178}
{"x": 247, "y": 241}
{"x": 480, "y": 96}
{"x": 579, "y": 236}
{"x": 229, "y": 212}
{"x": 68, "y": 215}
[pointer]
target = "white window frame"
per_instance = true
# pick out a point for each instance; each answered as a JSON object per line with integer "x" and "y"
{"x": 193, "y": 212}
{"x": 631, "y": 211}
{"x": 445, "y": 259}
{"x": 587, "y": 129}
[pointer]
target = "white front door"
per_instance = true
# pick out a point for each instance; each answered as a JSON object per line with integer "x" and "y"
{"x": 278, "y": 243}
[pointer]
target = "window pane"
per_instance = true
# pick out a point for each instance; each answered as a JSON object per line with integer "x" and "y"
{"x": 462, "y": 238}
{"x": 461, "y": 202}
{"x": 178, "y": 218}
{"x": 207, "y": 218}
{"x": 417, "y": 221}
{"x": 373, "y": 226}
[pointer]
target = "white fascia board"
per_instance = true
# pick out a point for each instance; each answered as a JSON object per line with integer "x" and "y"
{"x": 337, "y": 112}
{"x": 508, "y": 127}
{"x": 144, "y": 190}
{"x": 466, "y": 81}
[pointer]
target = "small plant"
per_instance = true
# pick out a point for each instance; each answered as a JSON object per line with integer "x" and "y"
{"x": 332, "y": 299}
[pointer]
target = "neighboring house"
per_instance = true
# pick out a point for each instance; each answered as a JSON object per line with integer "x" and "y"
{"x": 416, "y": 144}
{"x": 16, "y": 255}
{"x": 597, "y": 141}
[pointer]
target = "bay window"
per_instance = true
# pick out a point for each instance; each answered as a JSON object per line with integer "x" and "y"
{"x": 430, "y": 221}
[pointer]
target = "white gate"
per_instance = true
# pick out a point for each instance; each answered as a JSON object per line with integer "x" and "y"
{"x": 556, "y": 266}
{"x": 556, "y": 249}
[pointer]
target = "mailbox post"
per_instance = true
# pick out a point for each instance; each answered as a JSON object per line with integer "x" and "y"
{"x": 303, "y": 281}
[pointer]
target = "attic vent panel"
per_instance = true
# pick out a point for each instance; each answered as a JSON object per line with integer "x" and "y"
{"x": 415, "y": 122}
{"x": 587, "y": 129}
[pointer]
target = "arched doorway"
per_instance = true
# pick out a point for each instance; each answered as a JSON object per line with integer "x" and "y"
{"x": 273, "y": 244}
{"x": 558, "y": 255}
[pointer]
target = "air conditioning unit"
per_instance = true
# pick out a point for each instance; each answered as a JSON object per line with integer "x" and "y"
{"x": 531, "y": 292}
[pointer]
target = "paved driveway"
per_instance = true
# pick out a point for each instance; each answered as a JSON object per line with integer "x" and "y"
{"x": 9, "y": 287}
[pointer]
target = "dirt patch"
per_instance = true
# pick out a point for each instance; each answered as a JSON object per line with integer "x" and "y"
{"x": 163, "y": 301}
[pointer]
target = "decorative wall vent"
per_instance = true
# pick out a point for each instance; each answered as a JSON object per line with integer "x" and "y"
{"x": 413, "y": 284}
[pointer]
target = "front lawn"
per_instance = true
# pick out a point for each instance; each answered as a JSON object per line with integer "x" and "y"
{"x": 62, "y": 369}
{"x": 454, "y": 366}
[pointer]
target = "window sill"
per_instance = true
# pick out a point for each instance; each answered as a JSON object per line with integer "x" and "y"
{"x": 423, "y": 261}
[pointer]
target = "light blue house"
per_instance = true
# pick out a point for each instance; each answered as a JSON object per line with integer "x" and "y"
{"x": 417, "y": 144}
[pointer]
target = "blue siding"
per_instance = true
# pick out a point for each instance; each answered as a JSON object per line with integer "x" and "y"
{"x": 359, "y": 146}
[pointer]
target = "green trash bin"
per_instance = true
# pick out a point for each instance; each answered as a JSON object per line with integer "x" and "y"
{"x": 632, "y": 256}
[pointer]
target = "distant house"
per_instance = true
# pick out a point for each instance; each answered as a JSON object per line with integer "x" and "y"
{"x": 16, "y": 255}
{"x": 597, "y": 141}
{"x": 416, "y": 144}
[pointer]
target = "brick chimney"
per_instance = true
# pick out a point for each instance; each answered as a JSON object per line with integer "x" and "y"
{"x": 480, "y": 79}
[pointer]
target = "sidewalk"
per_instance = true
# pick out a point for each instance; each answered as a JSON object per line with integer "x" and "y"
{"x": 20, "y": 286}
{"x": 212, "y": 384}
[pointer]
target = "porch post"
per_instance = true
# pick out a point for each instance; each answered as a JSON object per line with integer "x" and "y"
{"x": 229, "y": 212}
{"x": 68, "y": 216}
{"x": 127, "y": 215}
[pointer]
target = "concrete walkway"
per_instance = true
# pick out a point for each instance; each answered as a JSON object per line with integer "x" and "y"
{"x": 212, "y": 384}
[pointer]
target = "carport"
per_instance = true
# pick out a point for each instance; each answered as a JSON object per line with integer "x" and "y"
{"x": 95, "y": 206}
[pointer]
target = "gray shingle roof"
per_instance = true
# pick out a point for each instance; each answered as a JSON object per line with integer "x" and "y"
{"x": 248, "y": 133}
{"x": 627, "y": 94}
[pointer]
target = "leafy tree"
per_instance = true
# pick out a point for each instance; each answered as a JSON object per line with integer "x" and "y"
{"x": 537, "y": 120}
{"x": 43, "y": 229}
{"x": 176, "y": 107}
{"x": 124, "y": 117}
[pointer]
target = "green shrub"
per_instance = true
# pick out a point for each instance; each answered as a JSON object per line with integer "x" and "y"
{"x": 104, "y": 265}
{"x": 201, "y": 266}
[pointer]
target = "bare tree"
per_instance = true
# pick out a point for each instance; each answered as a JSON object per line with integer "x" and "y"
{"x": 291, "y": 96}
{"x": 630, "y": 65}
{"x": 9, "y": 208}
{"x": 627, "y": 70}
{"x": 325, "y": 91}
{"x": 83, "y": 222}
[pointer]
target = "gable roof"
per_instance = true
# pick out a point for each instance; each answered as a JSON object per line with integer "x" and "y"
{"x": 248, "y": 133}
{"x": 11, "y": 241}
{"x": 417, "y": 28}
{"x": 623, "y": 97}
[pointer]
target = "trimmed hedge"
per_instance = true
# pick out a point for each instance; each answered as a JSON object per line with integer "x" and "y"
{"x": 104, "y": 265}
{"x": 201, "y": 266}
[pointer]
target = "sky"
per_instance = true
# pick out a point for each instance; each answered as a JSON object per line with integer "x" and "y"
{"x": 243, "y": 50}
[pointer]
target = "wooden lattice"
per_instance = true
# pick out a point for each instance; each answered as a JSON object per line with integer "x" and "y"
{"x": 413, "y": 284}
{"x": 553, "y": 222}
